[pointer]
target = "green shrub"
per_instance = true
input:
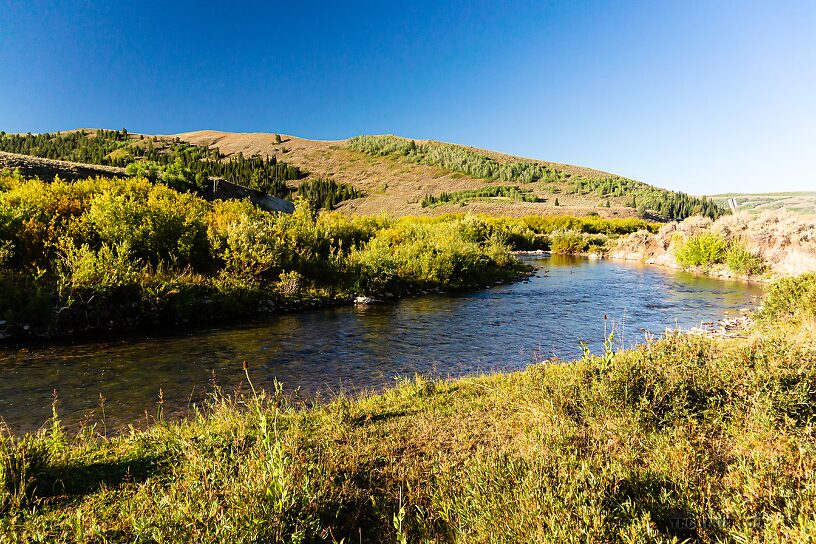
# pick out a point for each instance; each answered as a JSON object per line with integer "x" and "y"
{"x": 741, "y": 261}
{"x": 791, "y": 298}
{"x": 704, "y": 249}
{"x": 158, "y": 223}
{"x": 568, "y": 241}
{"x": 99, "y": 254}
{"x": 429, "y": 255}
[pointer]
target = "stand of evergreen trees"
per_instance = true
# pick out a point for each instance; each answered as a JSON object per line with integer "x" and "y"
{"x": 324, "y": 193}
{"x": 487, "y": 192}
{"x": 456, "y": 158}
{"x": 647, "y": 199}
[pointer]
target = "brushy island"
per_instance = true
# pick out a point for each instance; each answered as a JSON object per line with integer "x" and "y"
{"x": 687, "y": 437}
{"x": 102, "y": 254}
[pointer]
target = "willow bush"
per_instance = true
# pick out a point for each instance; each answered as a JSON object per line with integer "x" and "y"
{"x": 105, "y": 253}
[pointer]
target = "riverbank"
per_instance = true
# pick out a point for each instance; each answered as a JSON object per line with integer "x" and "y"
{"x": 685, "y": 437}
{"x": 100, "y": 255}
{"x": 359, "y": 347}
{"x": 750, "y": 248}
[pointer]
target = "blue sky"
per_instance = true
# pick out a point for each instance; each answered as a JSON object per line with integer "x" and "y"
{"x": 702, "y": 97}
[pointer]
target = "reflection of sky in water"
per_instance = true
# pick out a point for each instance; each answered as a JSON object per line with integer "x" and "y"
{"x": 505, "y": 327}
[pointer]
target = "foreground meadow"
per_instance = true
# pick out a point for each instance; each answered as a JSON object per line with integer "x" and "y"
{"x": 687, "y": 437}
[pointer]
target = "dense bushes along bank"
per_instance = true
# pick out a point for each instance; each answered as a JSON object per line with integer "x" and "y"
{"x": 104, "y": 253}
{"x": 685, "y": 439}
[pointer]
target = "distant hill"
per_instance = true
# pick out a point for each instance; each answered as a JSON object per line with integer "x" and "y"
{"x": 803, "y": 203}
{"x": 396, "y": 180}
{"x": 368, "y": 174}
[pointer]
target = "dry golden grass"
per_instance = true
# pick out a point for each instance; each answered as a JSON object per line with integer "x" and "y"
{"x": 396, "y": 186}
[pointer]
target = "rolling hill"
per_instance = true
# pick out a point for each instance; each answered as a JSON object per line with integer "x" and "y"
{"x": 803, "y": 203}
{"x": 368, "y": 174}
{"x": 397, "y": 184}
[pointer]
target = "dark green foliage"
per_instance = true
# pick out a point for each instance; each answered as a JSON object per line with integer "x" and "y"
{"x": 647, "y": 199}
{"x": 525, "y": 195}
{"x": 326, "y": 193}
{"x": 456, "y": 158}
{"x": 181, "y": 165}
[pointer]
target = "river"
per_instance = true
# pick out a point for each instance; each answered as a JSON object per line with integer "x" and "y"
{"x": 321, "y": 352}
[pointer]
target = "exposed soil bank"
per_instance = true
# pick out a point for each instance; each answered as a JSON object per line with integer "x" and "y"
{"x": 785, "y": 242}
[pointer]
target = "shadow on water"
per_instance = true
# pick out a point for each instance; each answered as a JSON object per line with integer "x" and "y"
{"x": 502, "y": 328}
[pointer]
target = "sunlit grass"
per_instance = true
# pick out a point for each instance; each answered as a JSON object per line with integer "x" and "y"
{"x": 626, "y": 446}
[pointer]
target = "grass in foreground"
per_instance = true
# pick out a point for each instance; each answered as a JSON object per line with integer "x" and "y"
{"x": 685, "y": 438}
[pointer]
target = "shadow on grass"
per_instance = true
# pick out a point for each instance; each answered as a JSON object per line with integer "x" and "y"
{"x": 655, "y": 494}
{"x": 379, "y": 417}
{"x": 85, "y": 478}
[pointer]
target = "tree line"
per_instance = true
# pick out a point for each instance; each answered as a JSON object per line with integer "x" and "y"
{"x": 515, "y": 193}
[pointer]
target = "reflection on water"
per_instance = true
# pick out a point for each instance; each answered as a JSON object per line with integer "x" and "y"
{"x": 505, "y": 327}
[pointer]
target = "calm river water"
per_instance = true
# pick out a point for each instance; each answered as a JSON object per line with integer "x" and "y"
{"x": 502, "y": 328}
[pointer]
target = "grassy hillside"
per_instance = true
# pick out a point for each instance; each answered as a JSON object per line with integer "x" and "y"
{"x": 803, "y": 203}
{"x": 543, "y": 181}
{"x": 395, "y": 179}
{"x": 369, "y": 174}
{"x": 685, "y": 439}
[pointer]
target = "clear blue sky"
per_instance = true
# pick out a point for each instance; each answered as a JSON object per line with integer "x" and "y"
{"x": 697, "y": 96}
